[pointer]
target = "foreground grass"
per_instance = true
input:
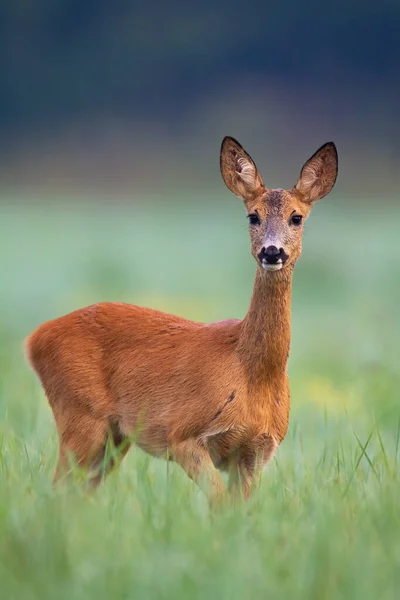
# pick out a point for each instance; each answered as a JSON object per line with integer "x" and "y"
{"x": 325, "y": 522}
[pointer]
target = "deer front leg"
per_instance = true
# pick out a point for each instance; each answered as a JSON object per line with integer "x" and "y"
{"x": 246, "y": 465}
{"x": 195, "y": 460}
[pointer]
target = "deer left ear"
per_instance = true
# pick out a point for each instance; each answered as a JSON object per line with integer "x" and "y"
{"x": 319, "y": 173}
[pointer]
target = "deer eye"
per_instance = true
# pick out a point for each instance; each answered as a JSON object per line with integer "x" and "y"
{"x": 296, "y": 220}
{"x": 254, "y": 219}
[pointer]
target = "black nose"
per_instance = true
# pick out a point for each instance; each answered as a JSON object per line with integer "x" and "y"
{"x": 271, "y": 255}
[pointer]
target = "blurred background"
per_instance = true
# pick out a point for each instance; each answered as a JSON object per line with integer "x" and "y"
{"x": 134, "y": 95}
{"x": 111, "y": 118}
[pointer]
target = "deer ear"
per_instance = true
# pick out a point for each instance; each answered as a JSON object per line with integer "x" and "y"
{"x": 319, "y": 173}
{"x": 238, "y": 170}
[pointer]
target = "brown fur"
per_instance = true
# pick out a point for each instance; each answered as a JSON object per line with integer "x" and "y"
{"x": 207, "y": 396}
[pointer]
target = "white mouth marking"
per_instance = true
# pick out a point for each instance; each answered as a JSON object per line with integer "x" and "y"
{"x": 269, "y": 267}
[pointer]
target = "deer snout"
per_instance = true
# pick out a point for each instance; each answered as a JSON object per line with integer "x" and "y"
{"x": 272, "y": 258}
{"x": 272, "y": 255}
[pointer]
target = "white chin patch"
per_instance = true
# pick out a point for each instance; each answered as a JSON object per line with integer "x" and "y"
{"x": 275, "y": 267}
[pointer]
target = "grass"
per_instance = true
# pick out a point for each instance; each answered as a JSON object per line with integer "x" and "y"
{"x": 325, "y": 522}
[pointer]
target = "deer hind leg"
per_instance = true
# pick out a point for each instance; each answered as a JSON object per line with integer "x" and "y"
{"x": 196, "y": 461}
{"x": 82, "y": 442}
{"x": 246, "y": 466}
{"x": 95, "y": 445}
{"x": 113, "y": 452}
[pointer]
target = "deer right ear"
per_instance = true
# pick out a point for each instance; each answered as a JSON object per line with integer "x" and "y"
{"x": 319, "y": 173}
{"x": 238, "y": 170}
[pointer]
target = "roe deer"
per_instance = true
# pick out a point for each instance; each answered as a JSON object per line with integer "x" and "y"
{"x": 209, "y": 396}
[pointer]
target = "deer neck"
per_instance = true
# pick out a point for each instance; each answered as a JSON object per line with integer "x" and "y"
{"x": 264, "y": 338}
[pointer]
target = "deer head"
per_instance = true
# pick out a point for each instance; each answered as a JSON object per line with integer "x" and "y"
{"x": 276, "y": 217}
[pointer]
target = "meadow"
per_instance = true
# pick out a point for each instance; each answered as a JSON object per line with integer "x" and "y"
{"x": 325, "y": 522}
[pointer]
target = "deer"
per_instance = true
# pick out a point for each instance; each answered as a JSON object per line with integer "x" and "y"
{"x": 212, "y": 397}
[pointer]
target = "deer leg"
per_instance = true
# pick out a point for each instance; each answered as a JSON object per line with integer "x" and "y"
{"x": 110, "y": 458}
{"x": 195, "y": 460}
{"x": 83, "y": 447}
{"x": 242, "y": 472}
{"x": 246, "y": 466}
{"x": 84, "y": 440}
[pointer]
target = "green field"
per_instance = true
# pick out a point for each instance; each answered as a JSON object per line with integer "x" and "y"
{"x": 325, "y": 522}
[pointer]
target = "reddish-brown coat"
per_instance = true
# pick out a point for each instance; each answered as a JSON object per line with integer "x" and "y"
{"x": 210, "y": 396}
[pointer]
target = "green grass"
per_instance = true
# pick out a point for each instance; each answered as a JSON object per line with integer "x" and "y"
{"x": 325, "y": 522}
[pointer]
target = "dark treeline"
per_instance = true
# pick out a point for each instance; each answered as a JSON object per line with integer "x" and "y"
{"x": 69, "y": 58}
